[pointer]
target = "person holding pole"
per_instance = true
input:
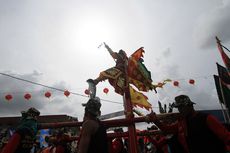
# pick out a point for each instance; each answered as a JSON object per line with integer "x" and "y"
{"x": 23, "y": 139}
{"x": 196, "y": 132}
{"x": 93, "y": 137}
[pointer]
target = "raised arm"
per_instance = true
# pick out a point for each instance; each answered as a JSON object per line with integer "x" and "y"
{"x": 172, "y": 128}
{"x": 111, "y": 52}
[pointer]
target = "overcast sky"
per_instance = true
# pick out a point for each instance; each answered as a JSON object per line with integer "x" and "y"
{"x": 55, "y": 43}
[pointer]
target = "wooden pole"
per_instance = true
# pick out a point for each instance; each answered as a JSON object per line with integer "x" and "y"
{"x": 132, "y": 138}
{"x": 110, "y": 123}
{"x": 132, "y": 141}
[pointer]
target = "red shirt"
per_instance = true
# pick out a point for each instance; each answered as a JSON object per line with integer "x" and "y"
{"x": 180, "y": 128}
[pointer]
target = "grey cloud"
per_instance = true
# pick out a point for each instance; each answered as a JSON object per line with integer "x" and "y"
{"x": 203, "y": 97}
{"x": 166, "y": 52}
{"x": 214, "y": 23}
{"x": 166, "y": 71}
{"x": 18, "y": 88}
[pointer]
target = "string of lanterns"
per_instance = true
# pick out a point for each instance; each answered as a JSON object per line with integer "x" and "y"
{"x": 177, "y": 83}
{"x": 48, "y": 94}
{"x": 67, "y": 93}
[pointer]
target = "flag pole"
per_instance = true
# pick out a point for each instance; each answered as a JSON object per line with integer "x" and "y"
{"x": 219, "y": 43}
{"x": 132, "y": 138}
{"x": 223, "y": 111}
{"x": 225, "y": 47}
{"x": 219, "y": 94}
{"x": 224, "y": 56}
{"x": 222, "y": 94}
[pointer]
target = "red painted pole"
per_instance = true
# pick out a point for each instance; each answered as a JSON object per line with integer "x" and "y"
{"x": 126, "y": 134}
{"x": 112, "y": 135}
{"x": 132, "y": 138}
{"x": 109, "y": 123}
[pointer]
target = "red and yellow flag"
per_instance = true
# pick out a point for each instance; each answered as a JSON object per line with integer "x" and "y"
{"x": 138, "y": 74}
{"x": 138, "y": 54}
{"x": 139, "y": 99}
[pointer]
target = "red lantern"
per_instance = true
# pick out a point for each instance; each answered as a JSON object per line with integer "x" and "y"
{"x": 48, "y": 94}
{"x": 8, "y": 97}
{"x": 27, "y": 96}
{"x": 66, "y": 93}
{"x": 191, "y": 81}
{"x": 176, "y": 83}
{"x": 105, "y": 90}
{"x": 87, "y": 92}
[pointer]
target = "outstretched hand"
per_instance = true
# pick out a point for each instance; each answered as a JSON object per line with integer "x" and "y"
{"x": 106, "y": 46}
{"x": 109, "y": 50}
{"x": 151, "y": 118}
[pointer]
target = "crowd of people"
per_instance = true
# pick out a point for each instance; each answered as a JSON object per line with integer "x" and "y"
{"x": 193, "y": 132}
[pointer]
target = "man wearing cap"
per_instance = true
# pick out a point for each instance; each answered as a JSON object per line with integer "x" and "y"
{"x": 197, "y": 132}
{"x": 93, "y": 138}
{"x": 23, "y": 139}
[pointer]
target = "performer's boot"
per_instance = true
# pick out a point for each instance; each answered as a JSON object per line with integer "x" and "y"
{"x": 92, "y": 84}
{"x": 92, "y": 88}
{"x": 100, "y": 78}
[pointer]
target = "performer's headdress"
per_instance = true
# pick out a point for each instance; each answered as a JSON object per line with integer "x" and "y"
{"x": 182, "y": 100}
{"x": 30, "y": 113}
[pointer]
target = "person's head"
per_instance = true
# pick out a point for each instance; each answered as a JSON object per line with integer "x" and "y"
{"x": 92, "y": 108}
{"x": 183, "y": 104}
{"x": 31, "y": 113}
{"x": 123, "y": 53}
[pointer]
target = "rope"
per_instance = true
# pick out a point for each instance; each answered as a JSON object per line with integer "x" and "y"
{"x": 61, "y": 90}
